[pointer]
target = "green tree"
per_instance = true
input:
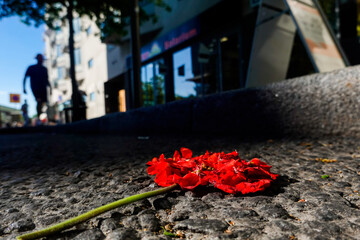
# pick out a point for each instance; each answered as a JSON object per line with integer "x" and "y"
{"x": 113, "y": 17}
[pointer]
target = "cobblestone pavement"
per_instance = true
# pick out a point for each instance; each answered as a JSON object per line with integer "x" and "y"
{"x": 49, "y": 178}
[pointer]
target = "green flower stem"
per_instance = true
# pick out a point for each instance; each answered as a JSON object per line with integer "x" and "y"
{"x": 95, "y": 212}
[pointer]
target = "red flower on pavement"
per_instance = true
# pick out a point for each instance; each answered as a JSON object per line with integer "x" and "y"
{"x": 224, "y": 171}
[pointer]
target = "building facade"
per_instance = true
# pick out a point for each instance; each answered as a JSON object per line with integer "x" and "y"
{"x": 196, "y": 49}
{"x": 10, "y": 117}
{"x": 91, "y": 66}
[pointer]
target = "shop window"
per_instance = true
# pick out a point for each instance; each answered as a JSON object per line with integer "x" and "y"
{"x": 204, "y": 62}
{"x": 215, "y": 65}
{"x": 184, "y": 82}
{"x": 152, "y": 81}
{"x": 230, "y": 62}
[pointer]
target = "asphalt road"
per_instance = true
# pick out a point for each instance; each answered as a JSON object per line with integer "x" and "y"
{"x": 47, "y": 178}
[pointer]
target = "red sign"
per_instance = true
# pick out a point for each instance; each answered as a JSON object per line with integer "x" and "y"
{"x": 14, "y": 98}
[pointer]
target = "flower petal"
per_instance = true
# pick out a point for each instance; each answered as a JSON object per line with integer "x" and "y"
{"x": 186, "y": 153}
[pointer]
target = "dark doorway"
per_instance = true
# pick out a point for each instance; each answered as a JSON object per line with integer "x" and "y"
{"x": 115, "y": 94}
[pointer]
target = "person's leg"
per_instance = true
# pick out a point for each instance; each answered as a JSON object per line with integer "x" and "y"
{"x": 38, "y": 107}
{"x": 27, "y": 119}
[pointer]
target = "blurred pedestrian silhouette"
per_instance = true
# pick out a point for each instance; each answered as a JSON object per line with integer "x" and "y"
{"x": 38, "y": 82}
{"x": 24, "y": 109}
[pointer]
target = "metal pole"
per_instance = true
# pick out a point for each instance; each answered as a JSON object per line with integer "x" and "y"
{"x": 135, "y": 50}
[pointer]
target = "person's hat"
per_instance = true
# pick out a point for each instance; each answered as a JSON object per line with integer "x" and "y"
{"x": 40, "y": 56}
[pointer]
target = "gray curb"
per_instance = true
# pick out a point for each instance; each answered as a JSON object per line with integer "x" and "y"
{"x": 313, "y": 105}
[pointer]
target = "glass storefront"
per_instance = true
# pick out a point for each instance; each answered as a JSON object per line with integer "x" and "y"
{"x": 184, "y": 86}
{"x": 153, "y": 84}
{"x": 207, "y": 67}
{"x": 230, "y": 62}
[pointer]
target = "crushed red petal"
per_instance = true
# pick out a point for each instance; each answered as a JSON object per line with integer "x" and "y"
{"x": 224, "y": 171}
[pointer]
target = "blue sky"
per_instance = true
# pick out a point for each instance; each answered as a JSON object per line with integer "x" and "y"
{"x": 19, "y": 45}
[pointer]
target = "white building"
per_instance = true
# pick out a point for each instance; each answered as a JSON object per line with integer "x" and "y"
{"x": 91, "y": 65}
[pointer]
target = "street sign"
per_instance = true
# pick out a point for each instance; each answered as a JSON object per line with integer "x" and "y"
{"x": 276, "y": 25}
{"x": 14, "y": 98}
{"x": 317, "y": 38}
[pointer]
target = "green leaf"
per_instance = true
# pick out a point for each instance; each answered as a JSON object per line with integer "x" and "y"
{"x": 325, "y": 176}
{"x": 166, "y": 233}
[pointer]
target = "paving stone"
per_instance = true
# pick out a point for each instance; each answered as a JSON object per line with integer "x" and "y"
{"x": 300, "y": 205}
{"x": 202, "y": 225}
{"x": 179, "y": 215}
{"x": 92, "y": 234}
{"x": 123, "y": 234}
{"x": 236, "y": 213}
{"x": 136, "y": 207}
{"x": 273, "y": 211}
{"x": 21, "y": 225}
{"x": 149, "y": 222}
{"x": 161, "y": 203}
{"x": 326, "y": 215}
{"x": 320, "y": 230}
{"x": 131, "y": 222}
{"x": 48, "y": 220}
{"x": 245, "y": 233}
{"x": 108, "y": 225}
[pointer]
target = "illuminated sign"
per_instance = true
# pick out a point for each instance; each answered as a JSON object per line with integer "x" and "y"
{"x": 182, "y": 38}
{"x": 173, "y": 38}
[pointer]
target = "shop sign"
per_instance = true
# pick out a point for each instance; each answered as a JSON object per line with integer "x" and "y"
{"x": 317, "y": 38}
{"x": 173, "y": 38}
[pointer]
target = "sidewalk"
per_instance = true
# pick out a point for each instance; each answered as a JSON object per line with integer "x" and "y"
{"x": 47, "y": 178}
